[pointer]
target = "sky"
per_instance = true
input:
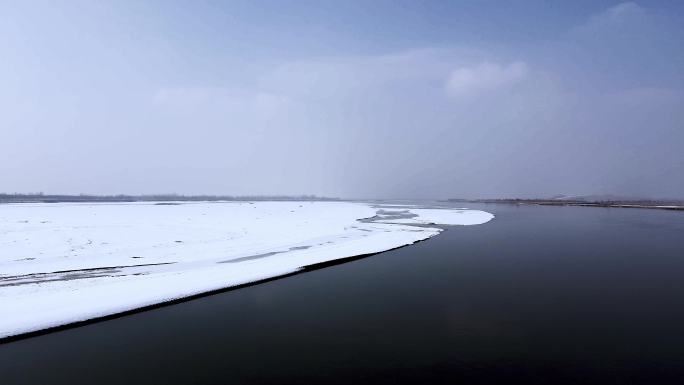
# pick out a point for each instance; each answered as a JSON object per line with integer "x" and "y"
{"x": 351, "y": 99}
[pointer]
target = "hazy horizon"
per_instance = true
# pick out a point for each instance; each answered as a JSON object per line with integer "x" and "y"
{"x": 165, "y": 196}
{"x": 383, "y": 99}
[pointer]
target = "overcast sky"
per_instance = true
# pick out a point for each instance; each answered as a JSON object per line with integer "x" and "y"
{"x": 350, "y": 99}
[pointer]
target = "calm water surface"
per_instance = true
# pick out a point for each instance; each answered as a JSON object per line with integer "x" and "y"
{"x": 540, "y": 295}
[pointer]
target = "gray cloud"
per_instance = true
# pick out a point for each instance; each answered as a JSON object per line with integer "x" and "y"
{"x": 595, "y": 110}
{"x": 466, "y": 81}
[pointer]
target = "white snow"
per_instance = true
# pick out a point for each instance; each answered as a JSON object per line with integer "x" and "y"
{"x": 63, "y": 263}
{"x": 444, "y": 216}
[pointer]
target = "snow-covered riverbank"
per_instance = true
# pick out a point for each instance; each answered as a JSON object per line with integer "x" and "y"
{"x": 63, "y": 263}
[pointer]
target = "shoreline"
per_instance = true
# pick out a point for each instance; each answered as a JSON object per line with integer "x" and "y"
{"x": 176, "y": 280}
{"x": 301, "y": 270}
{"x": 541, "y": 202}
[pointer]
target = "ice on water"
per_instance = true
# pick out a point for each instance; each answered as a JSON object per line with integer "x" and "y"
{"x": 67, "y": 262}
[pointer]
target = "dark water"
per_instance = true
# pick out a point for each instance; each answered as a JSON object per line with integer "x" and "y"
{"x": 541, "y": 295}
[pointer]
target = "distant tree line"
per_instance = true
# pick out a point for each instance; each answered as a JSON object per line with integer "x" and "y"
{"x": 582, "y": 202}
{"x": 56, "y": 198}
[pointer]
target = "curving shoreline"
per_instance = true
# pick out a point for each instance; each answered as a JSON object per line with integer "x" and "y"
{"x": 323, "y": 234}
